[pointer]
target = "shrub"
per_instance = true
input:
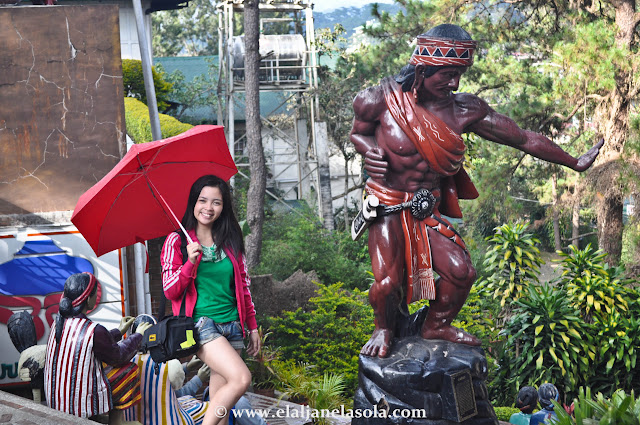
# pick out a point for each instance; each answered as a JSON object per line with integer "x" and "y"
{"x": 329, "y": 335}
{"x": 504, "y": 413}
{"x": 546, "y": 341}
{"x": 139, "y": 125}
{"x": 133, "y": 80}
{"x": 297, "y": 241}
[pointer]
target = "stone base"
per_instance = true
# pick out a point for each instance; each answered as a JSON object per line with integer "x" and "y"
{"x": 426, "y": 382}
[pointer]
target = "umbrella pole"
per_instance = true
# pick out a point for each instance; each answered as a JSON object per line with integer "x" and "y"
{"x": 167, "y": 208}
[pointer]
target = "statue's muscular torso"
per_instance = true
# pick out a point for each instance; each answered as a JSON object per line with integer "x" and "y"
{"x": 407, "y": 169}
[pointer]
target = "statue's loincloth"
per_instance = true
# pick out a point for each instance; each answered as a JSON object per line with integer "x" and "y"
{"x": 417, "y": 252}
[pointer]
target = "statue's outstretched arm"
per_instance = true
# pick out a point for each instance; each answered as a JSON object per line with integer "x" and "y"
{"x": 502, "y": 129}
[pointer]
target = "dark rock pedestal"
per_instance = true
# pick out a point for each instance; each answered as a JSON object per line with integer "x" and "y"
{"x": 425, "y": 382}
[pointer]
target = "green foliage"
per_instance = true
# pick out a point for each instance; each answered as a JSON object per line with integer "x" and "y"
{"x": 597, "y": 297}
{"x": 546, "y": 341}
{"x": 190, "y": 31}
{"x": 329, "y": 335}
{"x": 297, "y": 240}
{"x": 591, "y": 284}
{"x": 300, "y": 382}
{"x": 620, "y": 409}
{"x": 504, "y": 413}
{"x": 577, "y": 262}
{"x": 261, "y": 366}
{"x": 133, "y": 80}
{"x": 201, "y": 91}
{"x": 617, "y": 354}
{"x": 513, "y": 261}
{"x": 138, "y": 124}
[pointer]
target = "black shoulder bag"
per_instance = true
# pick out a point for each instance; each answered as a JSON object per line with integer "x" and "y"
{"x": 173, "y": 337}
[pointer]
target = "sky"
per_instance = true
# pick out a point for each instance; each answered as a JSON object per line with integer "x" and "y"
{"x": 329, "y": 5}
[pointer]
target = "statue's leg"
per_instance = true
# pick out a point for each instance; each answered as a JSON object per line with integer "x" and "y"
{"x": 386, "y": 249}
{"x": 453, "y": 265}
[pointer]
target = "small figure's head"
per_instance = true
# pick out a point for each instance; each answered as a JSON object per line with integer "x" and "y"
{"x": 546, "y": 393}
{"x": 176, "y": 374}
{"x": 527, "y": 399}
{"x": 80, "y": 291}
{"x": 447, "y": 49}
{"x": 79, "y": 296}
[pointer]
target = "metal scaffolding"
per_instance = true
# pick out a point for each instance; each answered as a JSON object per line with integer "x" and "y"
{"x": 288, "y": 66}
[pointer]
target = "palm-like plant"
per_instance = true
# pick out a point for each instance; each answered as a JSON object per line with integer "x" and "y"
{"x": 297, "y": 381}
{"x": 546, "y": 342}
{"x": 620, "y": 409}
{"x": 617, "y": 349}
{"x": 597, "y": 297}
{"x": 579, "y": 261}
{"x": 513, "y": 261}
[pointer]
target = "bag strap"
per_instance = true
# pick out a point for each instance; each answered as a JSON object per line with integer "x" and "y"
{"x": 183, "y": 307}
{"x": 163, "y": 300}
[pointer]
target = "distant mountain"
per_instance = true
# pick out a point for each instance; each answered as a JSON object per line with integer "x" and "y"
{"x": 350, "y": 17}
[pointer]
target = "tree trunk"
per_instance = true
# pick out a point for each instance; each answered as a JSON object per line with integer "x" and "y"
{"x": 258, "y": 182}
{"x": 610, "y": 229}
{"x": 613, "y": 117}
{"x": 556, "y": 215}
{"x": 575, "y": 217}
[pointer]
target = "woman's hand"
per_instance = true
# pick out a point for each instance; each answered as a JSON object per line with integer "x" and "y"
{"x": 254, "y": 344}
{"x": 193, "y": 251}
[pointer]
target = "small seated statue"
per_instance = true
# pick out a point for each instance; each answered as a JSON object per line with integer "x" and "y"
{"x": 88, "y": 369}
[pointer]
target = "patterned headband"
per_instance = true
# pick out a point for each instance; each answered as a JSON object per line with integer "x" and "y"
{"x": 435, "y": 51}
{"x": 85, "y": 294}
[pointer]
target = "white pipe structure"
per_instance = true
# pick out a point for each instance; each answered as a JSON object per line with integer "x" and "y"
{"x": 143, "y": 297}
{"x": 138, "y": 253}
{"x": 145, "y": 56}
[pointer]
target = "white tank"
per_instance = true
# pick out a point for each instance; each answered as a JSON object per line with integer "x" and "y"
{"x": 284, "y": 57}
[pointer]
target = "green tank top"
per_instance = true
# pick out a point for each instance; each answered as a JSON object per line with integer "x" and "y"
{"x": 214, "y": 284}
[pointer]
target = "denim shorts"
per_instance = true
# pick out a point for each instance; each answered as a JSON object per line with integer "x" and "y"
{"x": 208, "y": 330}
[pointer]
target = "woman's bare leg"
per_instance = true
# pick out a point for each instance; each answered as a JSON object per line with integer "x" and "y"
{"x": 225, "y": 364}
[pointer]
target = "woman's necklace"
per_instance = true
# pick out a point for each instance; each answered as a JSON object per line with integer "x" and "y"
{"x": 210, "y": 254}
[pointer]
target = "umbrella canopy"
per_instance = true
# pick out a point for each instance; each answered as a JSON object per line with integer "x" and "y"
{"x": 140, "y": 197}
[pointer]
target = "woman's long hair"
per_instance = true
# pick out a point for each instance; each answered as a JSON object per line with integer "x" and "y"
{"x": 226, "y": 230}
{"x": 74, "y": 287}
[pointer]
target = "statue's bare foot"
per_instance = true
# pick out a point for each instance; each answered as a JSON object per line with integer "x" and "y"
{"x": 378, "y": 344}
{"x": 451, "y": 334}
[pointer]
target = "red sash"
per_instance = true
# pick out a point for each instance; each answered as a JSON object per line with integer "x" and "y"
{"x": 440, "y": 146}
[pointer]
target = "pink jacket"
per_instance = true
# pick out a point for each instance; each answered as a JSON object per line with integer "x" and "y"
{"x": 176, "y": 278}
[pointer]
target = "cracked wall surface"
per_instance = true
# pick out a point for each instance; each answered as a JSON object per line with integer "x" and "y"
{"x": 61, "y": 104}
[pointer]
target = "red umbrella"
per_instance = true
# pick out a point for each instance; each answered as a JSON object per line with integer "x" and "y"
{"x": 138, "y": 200}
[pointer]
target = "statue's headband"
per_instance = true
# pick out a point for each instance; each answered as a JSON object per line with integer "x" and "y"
{"x": 435, "y": 51}
{"x": 85, "y": 294}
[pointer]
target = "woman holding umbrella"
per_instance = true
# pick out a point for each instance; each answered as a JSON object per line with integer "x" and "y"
{"x": 214, "y": 282}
